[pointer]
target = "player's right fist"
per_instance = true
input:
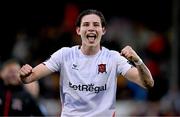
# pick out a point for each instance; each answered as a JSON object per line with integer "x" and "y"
{"x": 25, "y": 71}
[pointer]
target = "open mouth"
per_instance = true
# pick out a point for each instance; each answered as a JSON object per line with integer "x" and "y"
{"x": 91, "y": 37}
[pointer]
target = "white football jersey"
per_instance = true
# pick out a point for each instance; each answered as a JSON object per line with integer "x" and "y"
{"x": 87, "y": 83}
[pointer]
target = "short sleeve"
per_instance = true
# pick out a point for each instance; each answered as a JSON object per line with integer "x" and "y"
{"x": 54, "y": 62}
{"x": 123, "y": 64}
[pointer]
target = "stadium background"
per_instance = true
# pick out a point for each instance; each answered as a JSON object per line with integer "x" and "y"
{"x": 31, "y": 32}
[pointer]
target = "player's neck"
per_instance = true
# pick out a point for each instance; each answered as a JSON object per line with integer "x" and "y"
{"x": 90, "y": 50}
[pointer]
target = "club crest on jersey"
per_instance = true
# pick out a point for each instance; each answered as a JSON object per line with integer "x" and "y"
{"x": 102, "y": 68}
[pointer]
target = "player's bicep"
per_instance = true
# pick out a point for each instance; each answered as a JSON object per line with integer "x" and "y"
{"x": 133, "y": 75}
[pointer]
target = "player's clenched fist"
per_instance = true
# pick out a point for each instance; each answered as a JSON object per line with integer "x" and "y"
{"x": 25, "y": 71}
{"x": 130, "y": 54}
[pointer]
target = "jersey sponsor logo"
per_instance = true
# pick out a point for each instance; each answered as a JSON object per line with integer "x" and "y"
{"x": 89, "y": 87}
{"x": 102, "y": 68}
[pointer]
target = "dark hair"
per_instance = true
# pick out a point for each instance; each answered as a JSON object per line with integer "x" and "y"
{"x": 88, "y": 12}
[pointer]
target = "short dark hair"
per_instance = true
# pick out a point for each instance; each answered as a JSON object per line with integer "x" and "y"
{"x": 90, "y": 11}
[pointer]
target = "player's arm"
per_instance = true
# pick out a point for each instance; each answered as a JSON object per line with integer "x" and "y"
{"x": 29, "y": 74}
{"x": 139, "y": 74}
{"x": 33, "y": 88}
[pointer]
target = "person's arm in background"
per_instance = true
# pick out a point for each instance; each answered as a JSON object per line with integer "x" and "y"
{"x": 29, "y": 74}
{"x": 33, "y": 88}
{"x": 139, "y": 74}
{"x": 31, "y": 106}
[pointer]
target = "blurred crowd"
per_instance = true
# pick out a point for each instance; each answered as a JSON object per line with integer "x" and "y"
{"x": 42, "y": 96}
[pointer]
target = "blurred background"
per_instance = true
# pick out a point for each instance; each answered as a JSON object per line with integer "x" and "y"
{"x": 32, "y": 31}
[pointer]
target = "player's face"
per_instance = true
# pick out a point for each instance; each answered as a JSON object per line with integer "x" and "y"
{"x": 91, "y": 30}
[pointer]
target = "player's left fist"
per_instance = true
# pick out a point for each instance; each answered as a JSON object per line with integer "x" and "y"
{"x": 130, "y": 54}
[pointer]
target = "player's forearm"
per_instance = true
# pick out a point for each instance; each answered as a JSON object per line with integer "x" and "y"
{"x": 29, "y": 74}
{"x": 145, "y": 75}
{"x": 28, "y": 79}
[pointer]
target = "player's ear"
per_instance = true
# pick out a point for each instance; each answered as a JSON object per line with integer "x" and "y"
{"x": 78, "y": 30}
{"x": 104, "y": 30}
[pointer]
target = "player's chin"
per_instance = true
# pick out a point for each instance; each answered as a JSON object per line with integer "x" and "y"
{"x": 92, "y": 44}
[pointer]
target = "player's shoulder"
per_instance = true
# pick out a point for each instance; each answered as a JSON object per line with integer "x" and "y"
{"x": 113, "y": 53}
{"x": 110, "y": 52}
{"x": 67, "y": 49}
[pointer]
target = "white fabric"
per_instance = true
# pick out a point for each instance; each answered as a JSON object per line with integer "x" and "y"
{"x": 87, "y": 83}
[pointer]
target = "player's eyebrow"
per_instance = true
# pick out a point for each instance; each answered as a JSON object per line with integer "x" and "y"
{"x": 89, "y": 22}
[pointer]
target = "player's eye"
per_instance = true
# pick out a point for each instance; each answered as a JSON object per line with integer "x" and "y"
{"x": 85, "y": 24}
{"x": 96, "y": 24}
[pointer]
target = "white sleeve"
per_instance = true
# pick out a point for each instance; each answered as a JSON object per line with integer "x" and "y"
{"x": 123, "y": 64}
{"x": 54, "y": 62}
